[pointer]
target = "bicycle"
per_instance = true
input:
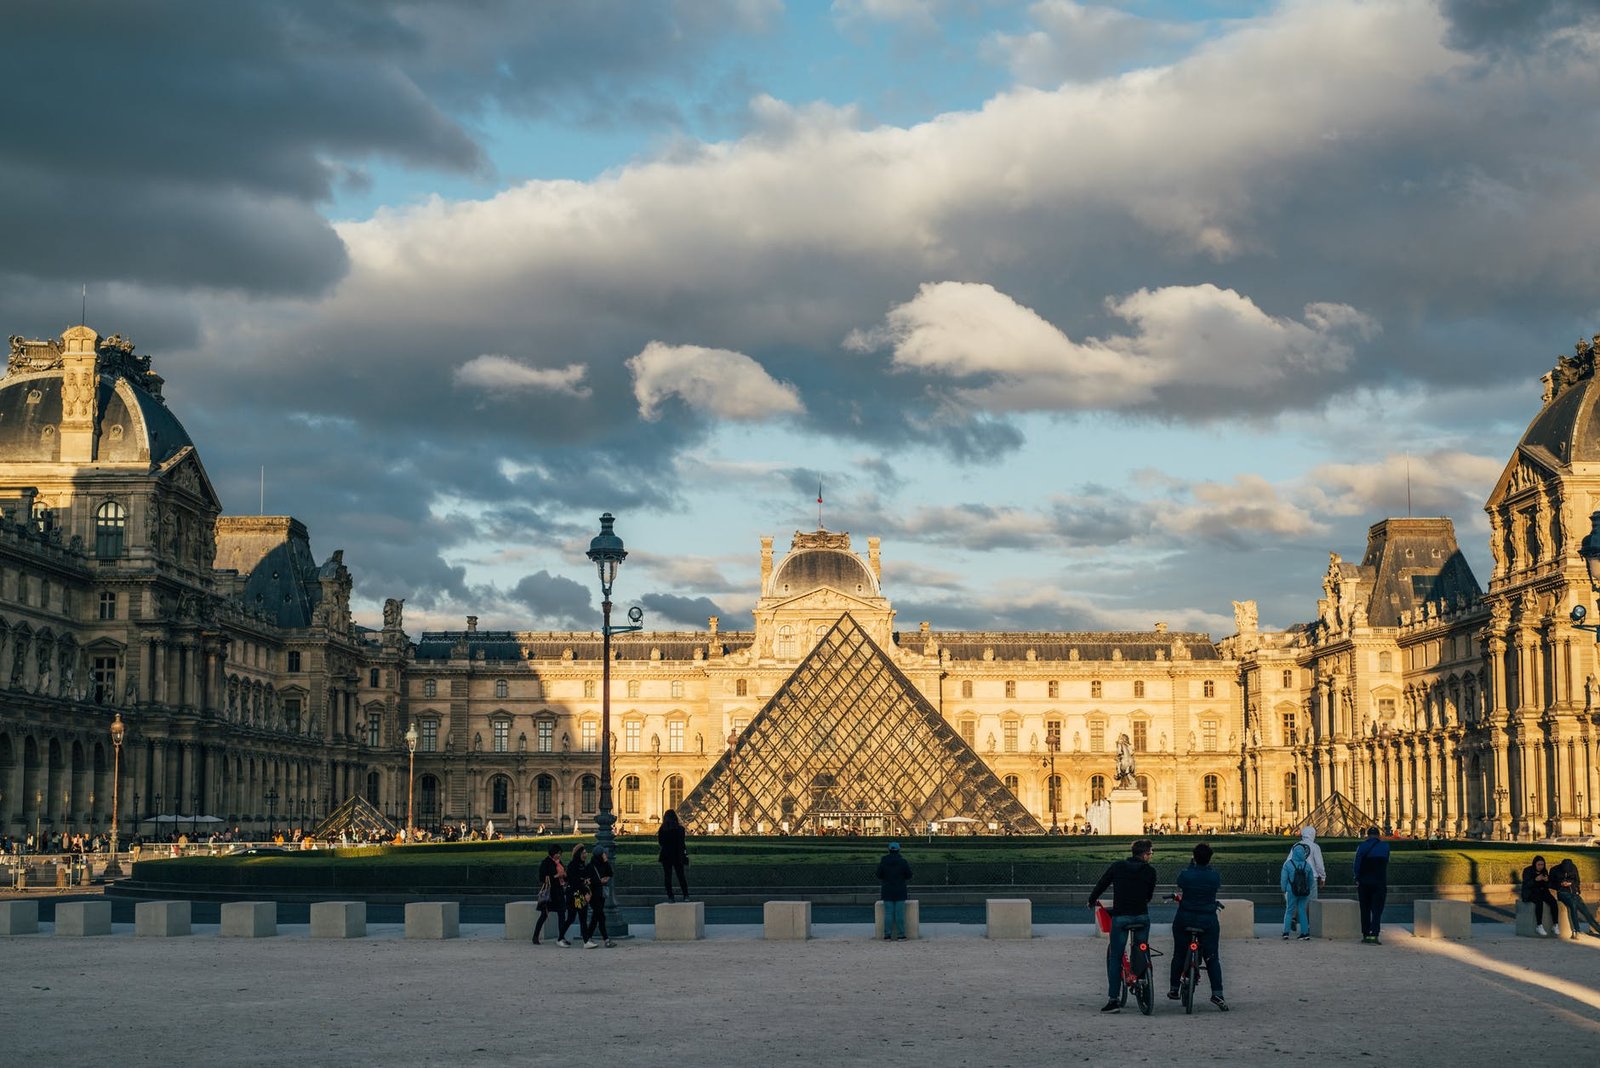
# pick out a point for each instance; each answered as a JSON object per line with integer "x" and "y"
{"x": 1139, "y": 982}
{"x": 1193, "y": 964}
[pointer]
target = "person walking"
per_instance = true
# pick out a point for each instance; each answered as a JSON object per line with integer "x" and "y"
{"x": 1536, "y": 889}
{"x": 582, "y": 880}
{"x": 1133, "y": 883}
{"x": 1197, "y": 908}
{"x": 1569, "y": 891}
{"x": 552, "y": 894}
{"x": 673, "y": 840}
{"x": 600, "y": 873}
{"x": 1371, "y": 870}
{"x": 1296, "y": 880}
{"x": 894, "y": 873}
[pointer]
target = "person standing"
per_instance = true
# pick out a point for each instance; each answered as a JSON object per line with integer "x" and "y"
{"x": 1569, "y": 891}
{"x": 1197, "y": 908}
{"x": 673, "y": 840}
{"x": 552, "y": 894}
{"x": 1296, "y": 879}
{"x": 1133, "y": 883}
{"x": 600, "y": 873}
{"x": 894, "y": 873}
{"x": 1308, "y": 835}
{"x": 1536, "y": 889}
{"x": 1372, "y": 884}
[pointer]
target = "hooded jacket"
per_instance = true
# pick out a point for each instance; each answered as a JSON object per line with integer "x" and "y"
{"x": 1298, "y": 855}
{"x": 1308, "y": 838}
{"x": 1133, "y": 884}
{"x": 894, "y": 871}
{"x": 1371, "y": 867}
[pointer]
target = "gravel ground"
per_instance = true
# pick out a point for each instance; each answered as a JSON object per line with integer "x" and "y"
{"x": 952, "y": 998}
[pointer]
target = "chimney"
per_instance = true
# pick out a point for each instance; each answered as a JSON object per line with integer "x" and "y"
{"x": 79, "y": 367}
{"x": 873, "y": 561}
{"x": 472, "y": 624}
{"x": 766, "y": 563}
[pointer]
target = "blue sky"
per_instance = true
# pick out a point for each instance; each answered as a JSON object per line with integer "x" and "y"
{"x": 1098, "y": 314}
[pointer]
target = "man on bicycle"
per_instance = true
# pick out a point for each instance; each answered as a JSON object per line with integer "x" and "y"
{"x": 1133, "y": 884}
{"x": 1197, "y": 907}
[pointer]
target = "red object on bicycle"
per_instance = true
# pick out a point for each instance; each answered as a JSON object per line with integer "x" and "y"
{"x": 1102, "y": 919}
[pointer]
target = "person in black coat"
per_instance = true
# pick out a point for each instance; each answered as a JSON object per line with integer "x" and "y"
{"x": 1536, "y": 888}
{"x": 1569, "y": 891}
{"x": 592, "y": 918}
{"x": 894, "y": 873}
{"x": 1133, "y": 884}
{"x": 674, "y": 856}
{"x": 552, "y": 894}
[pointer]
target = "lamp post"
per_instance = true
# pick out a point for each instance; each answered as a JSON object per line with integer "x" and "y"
{"x": 1052, "y": 742}
{"x": 118, "y": 730}
{"x": 38, "y": 821}
{"x": 411, "y": 783}
{"x": 194, "y": 818}
{"x": 607, "y": 553}
{"x": 1438, "y": 812}
{"x": 272, "y": 809}
{"x": 1533, "y": 806}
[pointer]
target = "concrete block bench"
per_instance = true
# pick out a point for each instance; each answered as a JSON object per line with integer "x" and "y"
{"x": 78, "y": 919}
{"x": 19, "y": 917}
{"x": 249, "y": 919}
{"x": 1526, "y": 921}
{"x": 1442, "y": 919}
{"x": 785, "y": 921}
{"x": 521, "y": 918}
{"x": 1335, "y": 919}
{"x": 338, "y": 919}
{"x": 913, "y": 919}
{"x": 685, "y": 921}
{"x": 1007, "y": 918}
{"x": 1236, "y": 918}
{"x": 161, "y": 919}
{"x": 434, "y": 919}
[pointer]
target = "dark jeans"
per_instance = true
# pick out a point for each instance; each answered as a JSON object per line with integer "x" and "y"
{"x": 1120, "y": 927}
{"x": 667, "y": 869}
{"x": 592, "y": 918}
{"x": 557, "y": 907}
{"x": 1372, "y": 896}
{"x": 1210, "y": 934}
{"x": 1576, "y": 906}
{"x": 1543, "y": 899}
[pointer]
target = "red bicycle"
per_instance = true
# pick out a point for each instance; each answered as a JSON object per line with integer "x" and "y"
{"x": 1136, "y": 968}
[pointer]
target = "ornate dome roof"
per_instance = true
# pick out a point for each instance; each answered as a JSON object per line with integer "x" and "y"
{"x": 822, "y": 559}
{"x": 1568, "y": 426}
{"x": 131, "y": 423}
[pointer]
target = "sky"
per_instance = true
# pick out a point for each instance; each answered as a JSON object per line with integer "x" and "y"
{"x": 1096, "y": 314}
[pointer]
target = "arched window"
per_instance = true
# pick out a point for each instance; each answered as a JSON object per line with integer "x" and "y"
{"x": 1013, "y": 783}
{"x": 110, "y": 522}
{"x": 630, "y": 795}
{"x": 500, "y": 795}
{"x": 1291, "y": 792}
{"x": 1211, "y": 789}
{"x": 544, "y": 795}
{"x": 588, "y": 789}
{"x": 1097, "y": 788}
{"x": 1053, "y": 793}
{"x": 966, "y": 688}
{"x": 672, "y": 792}
{"x": 1144, "y": 788}
{"x": 785, "y": 641}
{"x": 502, "y": 688}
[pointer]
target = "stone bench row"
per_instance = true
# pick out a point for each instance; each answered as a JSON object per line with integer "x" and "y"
{"x": 1004, "y": 918}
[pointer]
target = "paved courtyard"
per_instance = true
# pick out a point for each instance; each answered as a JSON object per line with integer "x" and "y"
{"x": 952, "y": 998}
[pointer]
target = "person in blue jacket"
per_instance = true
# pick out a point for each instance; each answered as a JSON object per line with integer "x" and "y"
{"x": 1372, "y": 884}
{"x": 1296, "y": 907}
{"x": 1197, "y": 907}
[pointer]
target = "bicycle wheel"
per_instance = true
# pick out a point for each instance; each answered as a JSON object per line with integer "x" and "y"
{"x": 1124, "y": 998}
{"x": 1191, "y": 978}
{"x": 1146, "y": 994}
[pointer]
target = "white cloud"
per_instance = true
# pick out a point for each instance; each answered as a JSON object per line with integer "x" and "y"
{"x": 1076, "y": 42}
{"x": 493, "y": 372}
{"x": 1182, "y": 335}
{"x": 729, "y": 385}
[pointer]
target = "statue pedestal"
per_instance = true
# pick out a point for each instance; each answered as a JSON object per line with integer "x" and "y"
{"x": 1127, "y": 812}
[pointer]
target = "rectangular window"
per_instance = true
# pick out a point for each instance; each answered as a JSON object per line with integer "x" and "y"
{"x": 591, "y": 736}
{"x": 588, "y": 687}
{"x": 294, "y": 660}
{"x": 1288, "y": 729}
{"x": 105, "y": 679}
{"x": 502, "y": 736}
{"x": 1052, "y": 735}
{"x": 1386, "y": 707}
{"x": 677, "y": 687}
{"x": 1208, "y": 736}
{"x": 1096, "y": 689}
{"x": 1141, "y": 737}
{"x": 546, "y": 729}
{"x": 1097, "y": 737}
{"x": 966, "y": 688}
{"x": 374, "y": 727}
{"x": 739, "y": 725}
{"x": 1011, "y": 737}
{"x": 1011, "y": 688}
{"x": 1138, "y": 687}
{"x": 1208, "y": 688}
{"x": 969, "y": 730}
{"x": 374, "y": 678}
{"x": 632, "y": 734}
{"x": 430, "y": 687}
{"x": 502, "y": 688}
{"x": 430, "y": 736}
{"x": 291, "y": 713}
{"x": 1053, "y": 688}
{"x": 633, "y": 687}
{"x": 675, "y": 737}
{"x": 741, "y": 687}
{"x": 108, "y": 606}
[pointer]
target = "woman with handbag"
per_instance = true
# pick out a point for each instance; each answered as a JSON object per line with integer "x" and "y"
{"x": 598, "y": 870}
{"x": 580, "y": 881}
{"x": 552, "y": 895}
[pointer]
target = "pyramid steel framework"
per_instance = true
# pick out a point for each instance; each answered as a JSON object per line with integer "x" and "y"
{"x": 849, "y": 744}
{"x": 358, "y": 819}
{"x": 1338, "y": 817}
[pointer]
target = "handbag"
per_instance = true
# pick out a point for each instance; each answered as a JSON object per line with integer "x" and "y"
{"x": 544, "y": 895}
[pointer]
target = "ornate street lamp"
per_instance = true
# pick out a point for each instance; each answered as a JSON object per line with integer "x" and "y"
{"x": 411, "y": 783}
{"x": 1052, "y": 741}
{"x": 272, "y": 809}
{"x": 1590, "y": 551}
{"x": 118, "y": 730}
{"x": 607, "y": 553}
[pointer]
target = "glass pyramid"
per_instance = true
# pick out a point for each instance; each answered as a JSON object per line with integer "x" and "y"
{"x": 849, "y": 745}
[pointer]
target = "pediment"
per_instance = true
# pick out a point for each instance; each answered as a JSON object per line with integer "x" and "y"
{"x": 1530, "y": 466}
{"x": 185, "y": 471}
{"x": 825, "y": 599}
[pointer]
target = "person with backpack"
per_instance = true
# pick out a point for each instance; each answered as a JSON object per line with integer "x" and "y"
{"x": 1297, "y": 879}
{"x": 894, "y": 872}
{"x": 1372, "y": 884}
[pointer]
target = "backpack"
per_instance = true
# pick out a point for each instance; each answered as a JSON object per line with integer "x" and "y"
{"x": 1300, "y": 879}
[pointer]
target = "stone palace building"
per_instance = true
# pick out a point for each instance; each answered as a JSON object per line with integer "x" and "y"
{"x": 249, "y": 694}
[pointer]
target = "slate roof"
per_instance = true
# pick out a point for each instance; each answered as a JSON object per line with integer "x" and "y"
{"x": 1411, "y": 561}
